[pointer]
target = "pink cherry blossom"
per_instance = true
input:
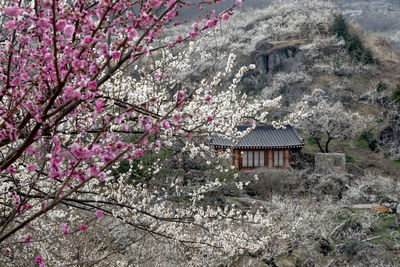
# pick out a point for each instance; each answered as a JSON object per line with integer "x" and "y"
{"x": 87, "y": 40}
{"x": 99, "y": 214}
{"x": 92, "y": 85}
{"x": 194, "y": 34}
{"x": 27, "y": 239}
{"x": 11, "y": 25}
{"x": 47, "y": 3}
{"x": 38, "y": 259}
{"x": 99, "y": 106}
{"x": 44, "y": 23}
{"x": 69, "y": 30}
{"x": 61, "y": 25}
{"x": 226, "y": 16}
{"x": 94, "y": 171}
{"x": 12, "y": 11}
{"x": 144, "y": 141}
{"x": 65, "y": 228}
{"x": 155, "y": 3}
{"x": 211, "y": 23}
{"x": 195, "y": 25}
{"x": 166, "y": 124}
{"x": 179, "y": 39}
{"x": 138, "y": 152}
{"x": 31, "y": 167}
{"x": 177, "y": 117}
{"x": 132, "y": 34}
{"x": 115, "y": 54}
{"x": 158, "y": 143}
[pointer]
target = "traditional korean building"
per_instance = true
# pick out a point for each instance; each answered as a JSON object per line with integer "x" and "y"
{"x": 264, "y": 146}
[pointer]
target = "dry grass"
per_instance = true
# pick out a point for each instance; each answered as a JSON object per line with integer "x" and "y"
{"x": 273, "y": 181}
{"x": 388, "y": 56}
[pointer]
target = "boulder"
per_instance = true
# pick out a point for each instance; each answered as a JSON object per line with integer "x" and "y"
{"x": 373, "y": 144}
{"x": 383, "y": 101}
{"x": 390, "y": 135}
{"x": 268, "y": 58}
{"x": 264, "y": 45}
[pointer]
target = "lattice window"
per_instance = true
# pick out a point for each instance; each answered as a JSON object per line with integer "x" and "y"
{"x": 251, "y": 159}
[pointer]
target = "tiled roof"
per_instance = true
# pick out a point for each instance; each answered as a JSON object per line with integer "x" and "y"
{"x": 262, "y": 137}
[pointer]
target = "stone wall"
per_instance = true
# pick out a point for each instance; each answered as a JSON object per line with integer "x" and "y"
{"x": 330, "y": 163}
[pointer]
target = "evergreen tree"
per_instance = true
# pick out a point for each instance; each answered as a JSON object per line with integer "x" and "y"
{"x": 355, "y": 47}
{"x": 368, "y": 57}
{"x": 340, "y": 27}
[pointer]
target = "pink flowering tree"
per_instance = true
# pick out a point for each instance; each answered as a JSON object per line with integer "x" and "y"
{"x": 78, "y": 79}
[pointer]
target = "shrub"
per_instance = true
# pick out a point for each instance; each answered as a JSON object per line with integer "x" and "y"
{"x": 273, "y": 181}
{"x": 368, "y": 57}
{"x": 381, "y": 87}
{"x": 362, "y": 140}
{"x": 349, "y": 159}
{"x": 311, "y": 140}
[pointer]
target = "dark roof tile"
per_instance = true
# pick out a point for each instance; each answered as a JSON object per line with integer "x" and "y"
{"x": 263, "y": 137}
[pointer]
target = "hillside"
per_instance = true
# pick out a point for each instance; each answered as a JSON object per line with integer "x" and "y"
{"x": 296, "y": 52}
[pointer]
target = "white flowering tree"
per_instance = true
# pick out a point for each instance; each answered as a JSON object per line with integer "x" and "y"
{"x": 327, "y": 121}
{"x": 279, "y": 21}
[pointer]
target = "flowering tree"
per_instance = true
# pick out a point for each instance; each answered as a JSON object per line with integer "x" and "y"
{"x": 328, "y": 122}
{"x": 78, "y": 81}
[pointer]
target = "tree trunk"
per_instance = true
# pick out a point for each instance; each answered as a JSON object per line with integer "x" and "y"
{"x": 319, "y": 145}
{"x": 327, "y": 143}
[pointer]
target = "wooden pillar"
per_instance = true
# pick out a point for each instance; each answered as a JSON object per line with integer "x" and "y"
{"x": 270, "y": 159}
{"x": 286, "y": 158}
{"x": 265, "y": 158}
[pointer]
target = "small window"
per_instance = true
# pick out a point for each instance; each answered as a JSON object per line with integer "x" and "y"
{"x": 278, "y": 158}
{"x": 244, "y": 159}
{"x": 252, "y": 159}
{"x": 256, "y": 158}
{"x": 261, "y": 158}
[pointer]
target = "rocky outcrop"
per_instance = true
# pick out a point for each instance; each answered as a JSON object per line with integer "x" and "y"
{"x": 390, "y": 136}
{"x": 270, "y": 58}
